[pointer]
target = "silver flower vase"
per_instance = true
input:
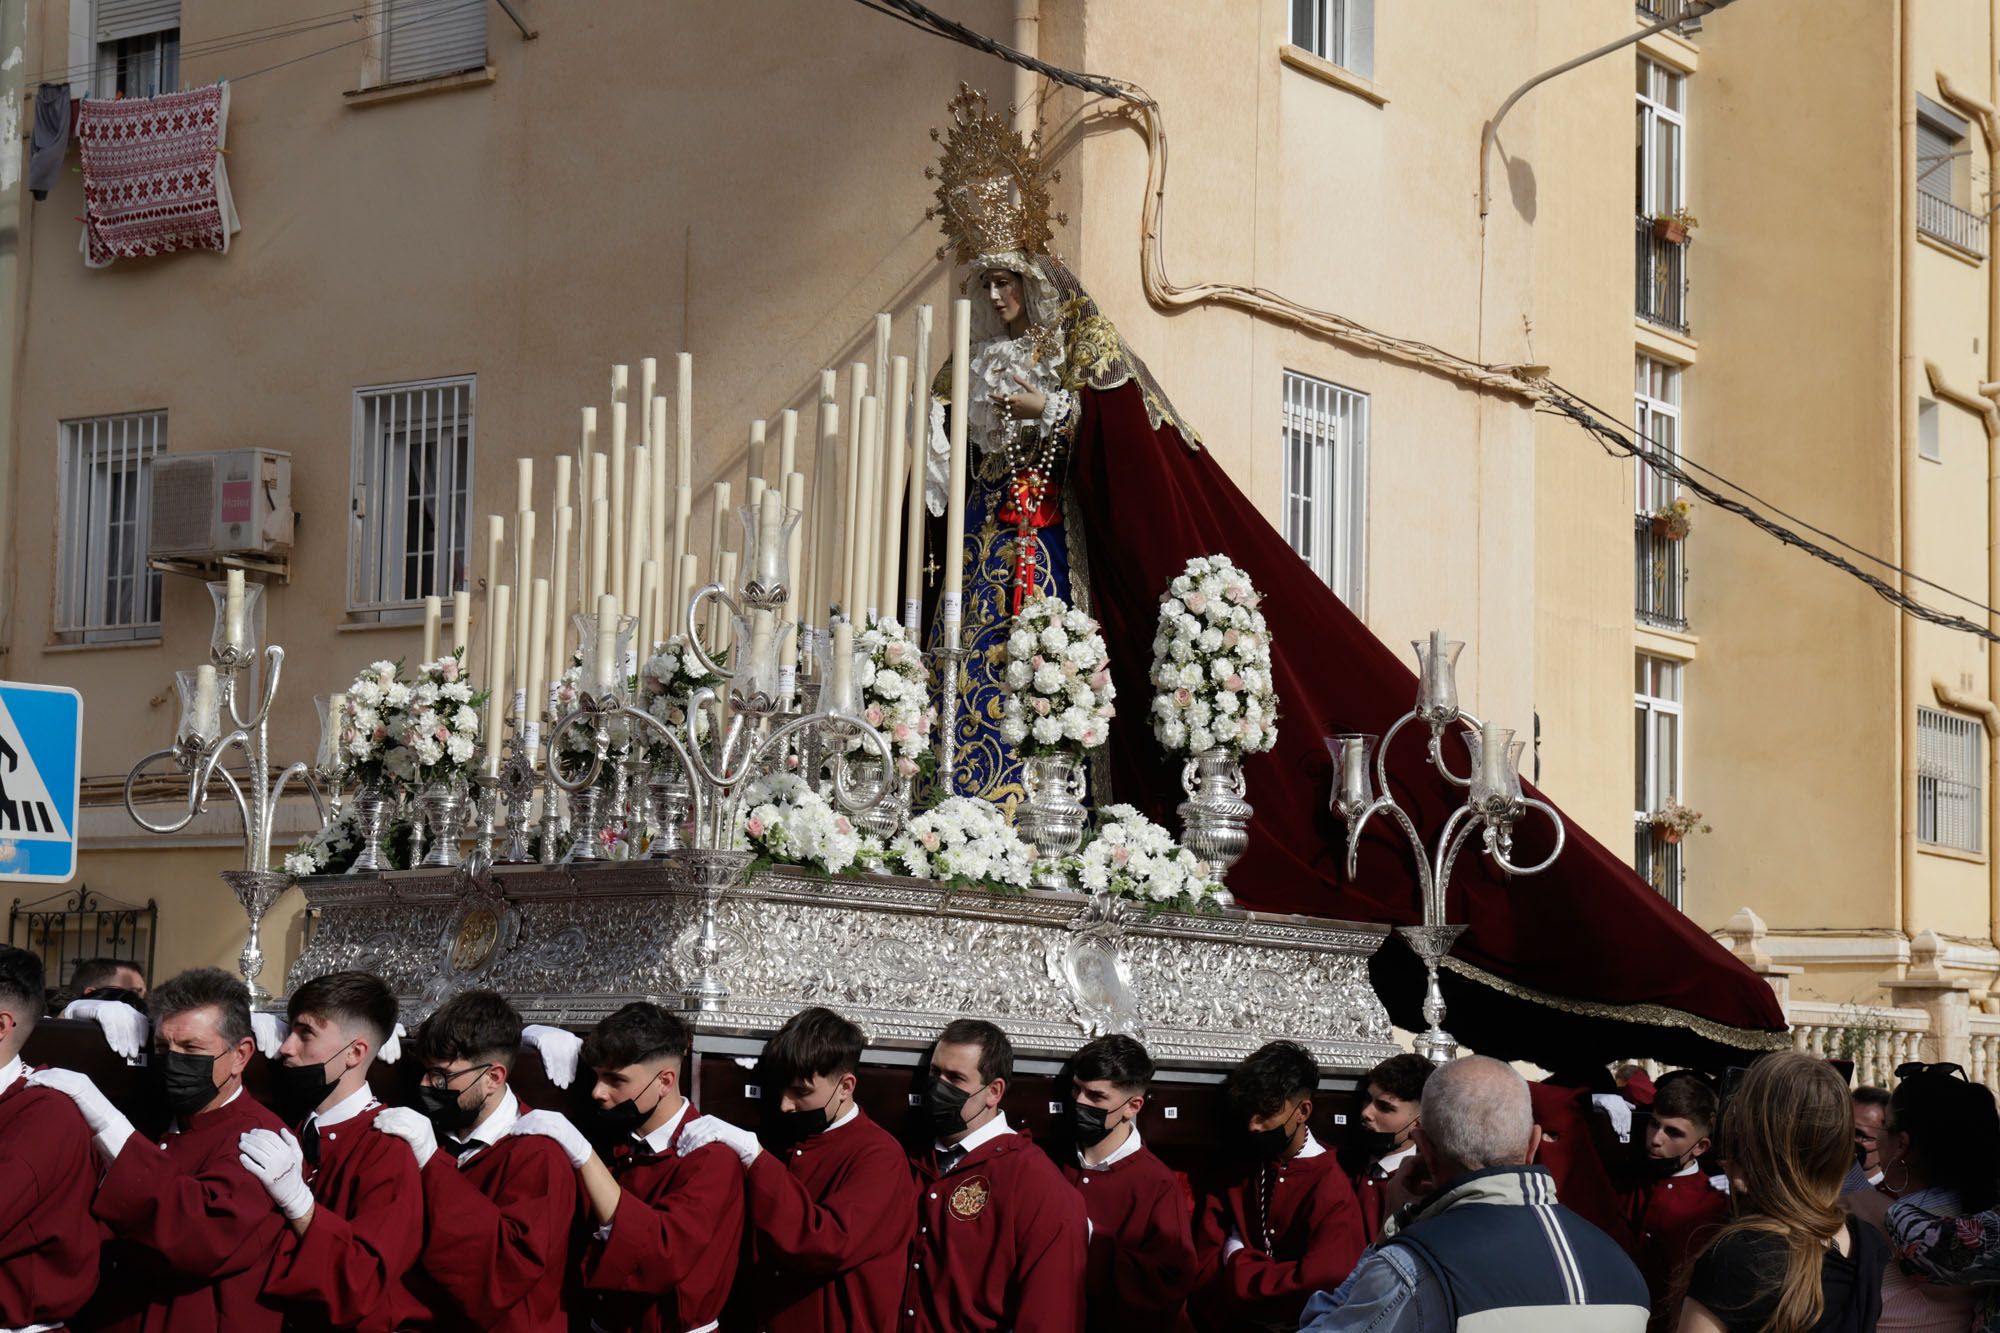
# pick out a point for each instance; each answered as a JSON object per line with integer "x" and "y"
{"x": 1215, "y": 819}
{"x": 890, "y": 808}
{"x": 1051, "y": 819}
{"x": 672, "y": 798}
{"x": 442, "y": 805}
{"x": 372, "y": 808}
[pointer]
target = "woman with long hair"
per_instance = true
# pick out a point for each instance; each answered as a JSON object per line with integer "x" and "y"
{"x": 1941, "y": 1147}
{"x": 1790, "y": 1262}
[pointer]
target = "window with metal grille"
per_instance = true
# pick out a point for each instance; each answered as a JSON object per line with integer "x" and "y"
{"x": 138, "y": 47}
{"x": 1340, "y": 31}
{"x": 1948, "y": 779}
{"x": 1657, "y": 420}
{"x": 427, "y": 39}
{"x": 1662, "y": 144}
{"x": 104, "y": 592}
{"x": 1326, "y": 482}
{"x": 1656, "y": 705}
{"x": 411, "y": 504}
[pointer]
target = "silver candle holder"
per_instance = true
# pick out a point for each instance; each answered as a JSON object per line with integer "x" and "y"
{"x": 1493, "y": 805}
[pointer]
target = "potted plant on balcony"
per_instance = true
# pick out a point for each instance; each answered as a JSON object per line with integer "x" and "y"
{"x": 1673, "y": 227}
{"x": 1674, "y": 821}
{"x": 1674, "y": 519}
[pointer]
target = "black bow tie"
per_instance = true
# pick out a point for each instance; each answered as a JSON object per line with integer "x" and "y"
{"x": 309, "y": 1141}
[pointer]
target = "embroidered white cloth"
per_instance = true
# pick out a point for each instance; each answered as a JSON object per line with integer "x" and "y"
{"x": 153, "y": 177}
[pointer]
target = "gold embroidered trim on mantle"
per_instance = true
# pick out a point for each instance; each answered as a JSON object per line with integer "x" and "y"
{"x": 1658, "y": 1015}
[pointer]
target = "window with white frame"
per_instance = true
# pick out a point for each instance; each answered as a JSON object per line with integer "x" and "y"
{"x": 1662, "y": 146}
{"x": 411, "y": 499}
{"x": 1927, "y": 431}
{"x": 1657, "y": 420}
{"x": 1943, "y": 155}
{"x": 1326, "y": 482}
{"x": 1948, "y": 779}
{"x": 427, "y": 39}
{"x": 1339, "y": 31}
{"x": 1656, "y": 715}
{"x": 138, "y": 47}
{"x": 104, "y": 592}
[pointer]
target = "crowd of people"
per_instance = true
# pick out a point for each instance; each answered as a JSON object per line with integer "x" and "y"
{"x": 1465, "y": 1197}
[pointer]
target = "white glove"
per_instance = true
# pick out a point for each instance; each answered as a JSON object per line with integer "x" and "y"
{"x": 108, "y": 1127}
{"x": 710, "y": 1129}
{"x": 400, "y": 1122}
{"x": 271, "y": 1030}
{"x": 125, "y": 1028}
{"x": 559, "y": 1050}
{"x": 1232, "y": 1245}
{"x": 279, "y": 1165}
{"x": 392, "y": 1049}
{"x": 555, "y": 1125}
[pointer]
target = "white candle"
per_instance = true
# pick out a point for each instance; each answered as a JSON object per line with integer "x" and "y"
{"x": 433, "y": 616}
{"x": 496, "y": 537}
{"x": 336, "y": 709}
{"x": 496, "y": 673}
{"x": 861, "y": 592}
{"x": 563, "y": 462}
{"x": 794, "y": 500}
{"x": 761, "y": 632}
{"x": 649, "y": 598}
{"x": 770, "y": 526}
{"x": 889, "y": 538}
{"x": 788, "y": 445}
{"x": 683, "y": 506}
{"x": 649, "y": 378}
{"x": 954, "y": 513}
{"x": 232, "y": 609}
{"x": 1354, "y": 770}
{"x": 825, "y": 487}
{"x": 716, "y": 520}
{"x": 684, "y": 418}
{"x": 920, "y": 448}
{"x": 659, "y": 519}
{"x": 690, "y": 579}
{"x": 1493, "y": 756}
{"x": 461, "y": 624}
{"x": 725, "y": 624}
{"x": 524, "y": 579}
{"x": 604, "y": 659}
{"x": 884, "y": 329}
{"x": 524, "y": 484}
{"x": 619, "y": 523}
{"x": 587, "y": 466}
{"x": 536, "y": 664}
{"x": 753, "y": 463}
{"x": 843, "y": 665}
{"x": 641, "y": 522}
{"x": 621, "y": 383}
{"x": 560, "y": 599}
{"x": 600, "y": 543}
{"x": 207, "y": 721}
{"x": 847, "y": 594}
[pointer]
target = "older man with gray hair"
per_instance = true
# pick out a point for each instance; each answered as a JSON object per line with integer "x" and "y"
{"x": 1489, "y": 1248}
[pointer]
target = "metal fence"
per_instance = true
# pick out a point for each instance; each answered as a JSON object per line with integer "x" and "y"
{"x": 1662, "y": 279}
{"x": 1658, "y": 862}
{"x": 1943, "y": 220}
{"x": 64, "y": 929}
{"x": 1660, "y": 576}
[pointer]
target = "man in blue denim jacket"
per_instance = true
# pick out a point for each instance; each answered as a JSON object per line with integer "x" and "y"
{"x": 1490, "y": 1247}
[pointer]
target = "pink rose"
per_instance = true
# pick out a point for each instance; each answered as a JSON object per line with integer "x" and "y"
{"x": 1036, "y": 661}
{"x": 1234, "y": 684}
{"x": 874, "y": 715}
{"x": 1100, "y": 678}
{"x": 893, "y": 654}
{"x": 1230, "y": 637}
{"x": 1196, "y": 602}
{"x": 907, "y": 767}
{"x": 1041, "y": 706}
{"x": 930, "y": 840}
{"x": 1183, "y": 696}
{"x": 842, "y": 824}
{"x": 1234, "y": 593}
{"x": 902, "y": 731}
{"x": 1120, "y": 855}
{"x": 755, "y": 828}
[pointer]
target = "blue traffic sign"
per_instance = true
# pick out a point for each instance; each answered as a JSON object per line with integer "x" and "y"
{"x": 41, "y": 774}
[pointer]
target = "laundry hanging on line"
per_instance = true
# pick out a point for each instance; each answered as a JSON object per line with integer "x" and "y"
{"x": 154, "y": 182}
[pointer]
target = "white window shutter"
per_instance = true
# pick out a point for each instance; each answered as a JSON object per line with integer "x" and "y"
{"x": 118, "y": 19}
{"x": 1360, "y": 43}
{"x": 423, "y": 39}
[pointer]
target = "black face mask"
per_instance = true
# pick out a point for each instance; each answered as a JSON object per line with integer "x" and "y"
{"x": 1086, "y": 1123}
{"x": 1268, "y": 1145}
{"x": 187, "y": 1082}
{"x": 784, "y": 1129}
{"x": 1375, "y": 1143}
{"x": 944, "y": 1107}
{"x": 298, "y": 1090}
{"x": 119, "y": 993}
{"x": 1661, "y": 1168}
{"x": 611, "y": 1126}
{"x": 443, "y": 1109}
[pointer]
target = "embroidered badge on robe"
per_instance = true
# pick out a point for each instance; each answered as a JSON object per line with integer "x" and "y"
{"x": 969, "y": 1200}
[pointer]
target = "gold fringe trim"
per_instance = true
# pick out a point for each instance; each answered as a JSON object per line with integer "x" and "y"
{"x": 1657, "y": 1015}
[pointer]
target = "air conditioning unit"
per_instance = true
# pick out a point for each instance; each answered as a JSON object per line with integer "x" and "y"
{"x": 237, "y": 502}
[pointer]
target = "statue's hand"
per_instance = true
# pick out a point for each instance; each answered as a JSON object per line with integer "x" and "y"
{"x": 1028, "y": 405}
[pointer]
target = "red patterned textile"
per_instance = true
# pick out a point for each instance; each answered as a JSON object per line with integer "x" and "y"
{"x": 153, "y": 179}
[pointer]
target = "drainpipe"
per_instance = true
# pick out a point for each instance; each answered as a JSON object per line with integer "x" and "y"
{"x": 1906, "y": 447}
{"x": 1027, "y": 40}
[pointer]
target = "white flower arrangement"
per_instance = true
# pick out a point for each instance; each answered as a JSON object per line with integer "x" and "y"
{"x": 893, "y": 687}
{"x": 1130, "y": 856}
{"x": 439, "y": 723}
{"x": 669, "y": 679}
{"x": 1212, "y": 663}
{"x": 964, "y": 842}
{"x": 788, "y": 823}
{"x": 333, "y": 848}
{"x": 1057, "y": 676}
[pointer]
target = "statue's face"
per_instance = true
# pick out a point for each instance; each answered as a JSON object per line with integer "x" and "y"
{"x": 1003, "y": 289}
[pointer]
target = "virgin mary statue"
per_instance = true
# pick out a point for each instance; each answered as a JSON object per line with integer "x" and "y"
{"x": 1085, "y": 483}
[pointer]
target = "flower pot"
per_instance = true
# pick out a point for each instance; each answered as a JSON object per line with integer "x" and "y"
{"x": 1671, "y": 836}
{"x": 1215, "y": 818}
{"x": 1669, "y": 529}
{"x": 1670, "y": 230}
{"x": 1052, "y": 817}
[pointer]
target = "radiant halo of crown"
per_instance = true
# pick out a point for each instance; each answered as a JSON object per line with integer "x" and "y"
{"x": 993, "y": 190}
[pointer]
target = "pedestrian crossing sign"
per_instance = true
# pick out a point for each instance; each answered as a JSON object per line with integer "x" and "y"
{"x": 41, "y": 766}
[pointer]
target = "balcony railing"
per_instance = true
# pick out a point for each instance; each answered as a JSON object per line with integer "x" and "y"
{"x": 1657, "y": 10}
{"x": 1660, "y": 568}
{"x": 1945, "y": 221}
{"x": 1658, "y": 862}
{"x": 1662, "y": 279}
{"x": 67, "y": 928}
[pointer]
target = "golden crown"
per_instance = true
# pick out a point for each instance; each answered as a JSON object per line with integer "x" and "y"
{"x": 992, "y": 194}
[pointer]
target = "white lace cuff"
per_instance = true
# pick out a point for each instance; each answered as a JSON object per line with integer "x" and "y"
{"x": 937, "y": 463}
{"x": 1059, "y": 407}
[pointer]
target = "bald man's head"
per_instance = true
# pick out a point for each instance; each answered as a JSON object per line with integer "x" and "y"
{"x": 1476, "y": 1114}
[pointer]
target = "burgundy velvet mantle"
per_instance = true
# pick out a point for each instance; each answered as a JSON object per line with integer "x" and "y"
{"x": 1581, "y": 961}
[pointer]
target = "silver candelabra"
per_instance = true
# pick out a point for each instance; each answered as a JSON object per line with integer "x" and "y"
{"x": 1494, "y": 804}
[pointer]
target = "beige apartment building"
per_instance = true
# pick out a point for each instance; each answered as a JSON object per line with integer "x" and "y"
{"x": 467, "y": 231}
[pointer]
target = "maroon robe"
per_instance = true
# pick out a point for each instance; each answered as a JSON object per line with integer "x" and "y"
{"x": 49, "y": 1242}
{"x": 499, "y": 1237}
{"x": 1372, "y": 1200}
{"x": 196, "y": 1231}
{"x": 675, "y": 1240}
{"x": 830, "y": 1226}
{"x": 350, "y": 1269}
{"x": 1671, "y": 1220}
{"x": 1148, "y": 504}
{"x": 999, "y": 1244}
{"x": 1570, "y": 1153}
{"x": 1141, "y": 1251}
{"x": 1307, "y": 1209}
